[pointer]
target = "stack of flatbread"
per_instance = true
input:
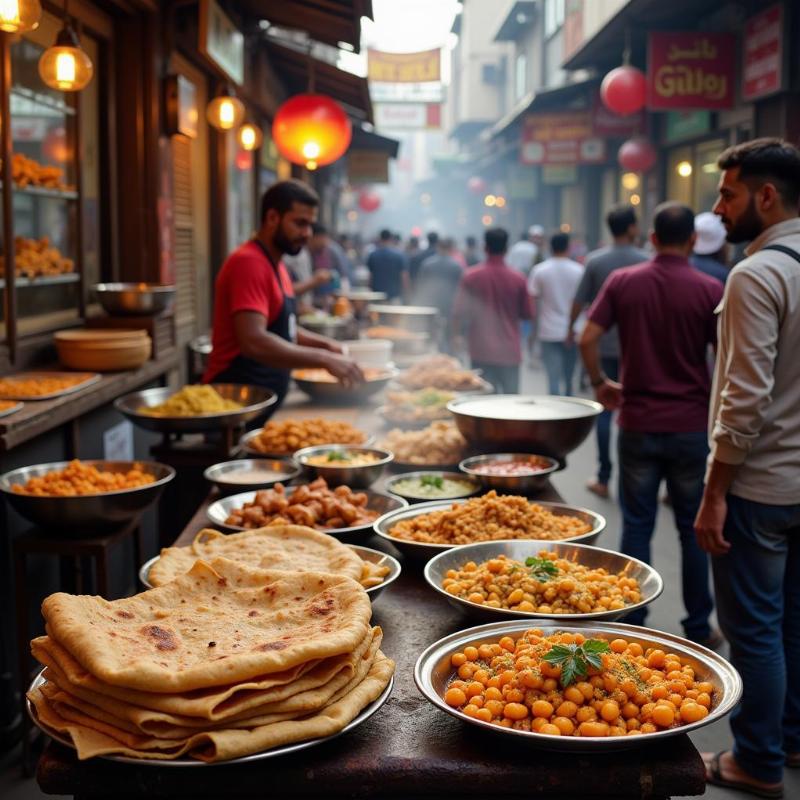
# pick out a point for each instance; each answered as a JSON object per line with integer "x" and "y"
{"x": 284, "y": 547}
{"x": 224, "y": 661}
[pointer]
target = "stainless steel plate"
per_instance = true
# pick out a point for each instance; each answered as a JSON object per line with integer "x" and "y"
{"x": 192, "y": 762}
{"x": 433, "y": 672}
{"x": 246, "y": 447}
{"x": 91, "y": 379}
{"x": 365, "y": 553}
{"x": 341, "y": 473}
{"x": 12, "y": 409}
{"x": 254, "y": 400}
{"x": 650, "y": 583}
{"x": 337, "y": 393}
{"x": 219, "y": 511}
{"x": 285, "y": 467}
{"x": 424, "y": 550}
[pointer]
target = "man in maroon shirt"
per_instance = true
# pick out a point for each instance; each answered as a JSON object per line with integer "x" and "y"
{"x": 491, "y": 299}
{"x": 664, "y": 311}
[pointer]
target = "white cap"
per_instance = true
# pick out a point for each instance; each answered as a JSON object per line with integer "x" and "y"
{"x": 710, "y": 233}
{"x": 536, "y": 230}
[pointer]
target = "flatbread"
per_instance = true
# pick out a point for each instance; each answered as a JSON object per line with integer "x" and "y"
{"x": 284, "y": 547}
{"x": 219, "y": 624}
{"x": 219, "y": 745}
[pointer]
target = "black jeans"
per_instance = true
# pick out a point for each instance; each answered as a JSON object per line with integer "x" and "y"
{"x": 505, "y": 379}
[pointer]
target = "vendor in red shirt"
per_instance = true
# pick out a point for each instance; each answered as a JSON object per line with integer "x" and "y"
{"x": 255, "y": 336}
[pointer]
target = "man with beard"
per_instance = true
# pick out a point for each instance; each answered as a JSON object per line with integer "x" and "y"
{"x": 749, "y": 519}
{"x": 255, "y": 335}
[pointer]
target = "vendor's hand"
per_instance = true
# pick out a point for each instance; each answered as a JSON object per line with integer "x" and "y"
{"x": 321, "y": 277}
{"x": 345, "y": 369}
{"x": 609, "y": 393}
{"x": 710, "y": 523}
{"x": 334, "y": 346}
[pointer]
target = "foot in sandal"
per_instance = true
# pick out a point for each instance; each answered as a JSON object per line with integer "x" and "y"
{"x": 722, "y": 770}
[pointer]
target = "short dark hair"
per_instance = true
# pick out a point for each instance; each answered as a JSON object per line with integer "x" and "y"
{"x": 496, "y": 241}
{"x": 559, "y": 242}
{"x": 620, "y": 218}
{"x": 386, "y": 235}
{"x": 673, "y": 224}
{"x": 471, "y": 241}
{"x": 413, "y": 241}
{"x": 433, "y": 237}
{"x": 318, "y": 229}
{"x": 766, "y": 160}
{"x": 281, "y": 196}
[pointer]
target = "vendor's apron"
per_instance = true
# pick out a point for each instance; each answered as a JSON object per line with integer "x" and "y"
{"x": 247, "y": 370}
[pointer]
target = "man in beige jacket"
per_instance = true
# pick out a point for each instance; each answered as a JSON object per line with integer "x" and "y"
{"x": 749, "y": 519}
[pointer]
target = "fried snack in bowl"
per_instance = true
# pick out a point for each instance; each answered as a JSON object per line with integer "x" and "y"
{"x": 78, "y": 478}
{"x": 439, "y": 443}
{"x": 286, "y": 436}
{"x": 323, "y": 376}
{"x": 192, "y": 401}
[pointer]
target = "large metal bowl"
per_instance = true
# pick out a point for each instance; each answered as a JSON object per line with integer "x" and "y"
{"x": 391, "y": 484}
{"x": 550, "y": 425}
{"x": 325, "y": 325}
{"x": 365, "y": 553}
{"x": 245, "y": 443}
{"x": 412, "y": 318}
{"x": 650, "y": 583}
{"x": 253, "y": 399}
{"x": 74, "y": 516}
{"x": 134, "y": 299}
{"x": 342, "y": 474}
{"x": 426, "y": 551}
{"x": 513, "y": 484}
{"x": 335, "y": 393}
{"x": 382, "y": 503}
{"x": 433, "y": 672}
{"x": 218, "y": 474}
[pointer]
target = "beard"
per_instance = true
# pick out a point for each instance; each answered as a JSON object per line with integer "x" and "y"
{"x": 286, "y": 245}
{"x": 747, "y": 227}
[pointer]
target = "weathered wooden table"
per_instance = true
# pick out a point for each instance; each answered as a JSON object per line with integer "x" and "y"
{"x": 408, "y": 749}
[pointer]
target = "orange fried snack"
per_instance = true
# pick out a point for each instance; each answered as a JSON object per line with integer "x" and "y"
{"x": 78, "y": 478}
{"x": 36, "y": 387}
{"x": 293, "y": 434}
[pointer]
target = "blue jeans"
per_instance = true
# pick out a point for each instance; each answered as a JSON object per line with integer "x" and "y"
{"x": 680, "y": 458}
{"x": 757, "y": 585}
{"x": 505, "y": 379}
{"x": 559, "y": 363}
{"x": 610, "y": 367}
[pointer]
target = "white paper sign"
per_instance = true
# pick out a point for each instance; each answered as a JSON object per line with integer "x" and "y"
{"x": 118, "y": 442}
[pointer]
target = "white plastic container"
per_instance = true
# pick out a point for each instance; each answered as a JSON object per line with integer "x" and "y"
{"x": 369, "y": 352}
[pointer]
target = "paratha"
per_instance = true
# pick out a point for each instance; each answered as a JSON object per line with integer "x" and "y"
{"x": 218, "y": 624}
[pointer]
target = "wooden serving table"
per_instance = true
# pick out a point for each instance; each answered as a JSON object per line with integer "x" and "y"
{"x": 408, "y": 749}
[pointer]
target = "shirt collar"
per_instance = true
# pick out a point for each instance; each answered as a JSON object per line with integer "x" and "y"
{"x": 788, "y": 227}
{"x": 498, "y": 261}
{"x": 668, "y": 260}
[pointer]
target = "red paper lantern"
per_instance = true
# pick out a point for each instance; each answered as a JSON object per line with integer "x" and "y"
{"x": 369, "y": 201}
{"x": 624, "y": 90}
{"x": 637, "y": 155}
{"x": 476, "y": 184}
{"x": 311, "y": 129}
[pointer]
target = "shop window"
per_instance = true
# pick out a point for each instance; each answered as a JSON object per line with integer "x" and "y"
{"x": 520, "y": 76}
{"x": 706, "y": 174}
{"x": 554, "y": 12}
{"x": 241, "y": 193}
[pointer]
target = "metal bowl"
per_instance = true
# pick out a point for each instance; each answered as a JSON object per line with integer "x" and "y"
{"x": 247, "y": 447}
{"x": 342, "y": 474}
{"x": 385, "y": 413}
{"x": 382, "y": 503}
{"x": 433, "y": 672}
{"x": 323, "y": 325}
{"x": 456, "y": 476}
{"x": 134, "y": 299}
{"x": 426, "y": 551}
{"x": 217, "y": 474}
{"x": 365, "y": 553}
{"x": 650, "y": 583}
{"x": 254, "y": 401}
{"x": 513, "y": 484}
{"x": 553, "y": 426}
{"x": 338, "y": 394}
{"x": 74, "y": 516}
{"x": 412, "y": 318}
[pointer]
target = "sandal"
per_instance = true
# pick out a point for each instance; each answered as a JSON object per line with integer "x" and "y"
{"x": 714, "y": 777}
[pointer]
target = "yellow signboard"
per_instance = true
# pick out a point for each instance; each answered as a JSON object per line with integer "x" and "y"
{"x": 421, "y": 67}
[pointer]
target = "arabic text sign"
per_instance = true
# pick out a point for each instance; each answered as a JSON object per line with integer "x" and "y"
{"x": 561, "y": 138}
{"x": 763, "y": 54}
{"x": 690, "y": 70}
{"x": 421, "y": 67}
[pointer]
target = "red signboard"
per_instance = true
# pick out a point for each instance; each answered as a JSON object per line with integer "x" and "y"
{"x": 565, "y": 137}
{"x": 763, "y": 54}
{"x": 690, "y": 70}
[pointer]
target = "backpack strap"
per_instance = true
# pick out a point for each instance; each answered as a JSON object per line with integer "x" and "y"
{"x": 783, "y": 249}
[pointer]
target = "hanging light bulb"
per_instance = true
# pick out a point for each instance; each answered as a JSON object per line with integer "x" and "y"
{"x": 17, "y": 16}
{"x": 225, "y": 112}
{"x": 250, "y": 136}
{"x": 65, "y": 66}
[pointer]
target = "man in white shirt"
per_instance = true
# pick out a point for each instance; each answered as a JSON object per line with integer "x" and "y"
{"x": 525, "y": 253}
{"x": 552, "y": 286}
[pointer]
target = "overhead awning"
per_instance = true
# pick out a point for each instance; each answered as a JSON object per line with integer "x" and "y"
{"x": 637, "y": 17}
{"x": 350, "y": 90}
{"x": 328, "y": 21}
{"x": 369, "y": 140}
{"x": 469, "y": 129}
{"x": 520, "y": 16}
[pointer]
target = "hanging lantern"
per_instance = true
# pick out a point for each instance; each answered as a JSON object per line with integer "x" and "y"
{"x": 369, "y": 201}
{"x": 225, "y": 112}
{"x": 249, "y": 136}
{"x": 624, "y": 90}
{"x": 476, "y": 184}
{"x": 65, "y": 66}
{"x": 17, "y": 16}
{"x": 637, "y": 155}
{"x": 311, "y": 129}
